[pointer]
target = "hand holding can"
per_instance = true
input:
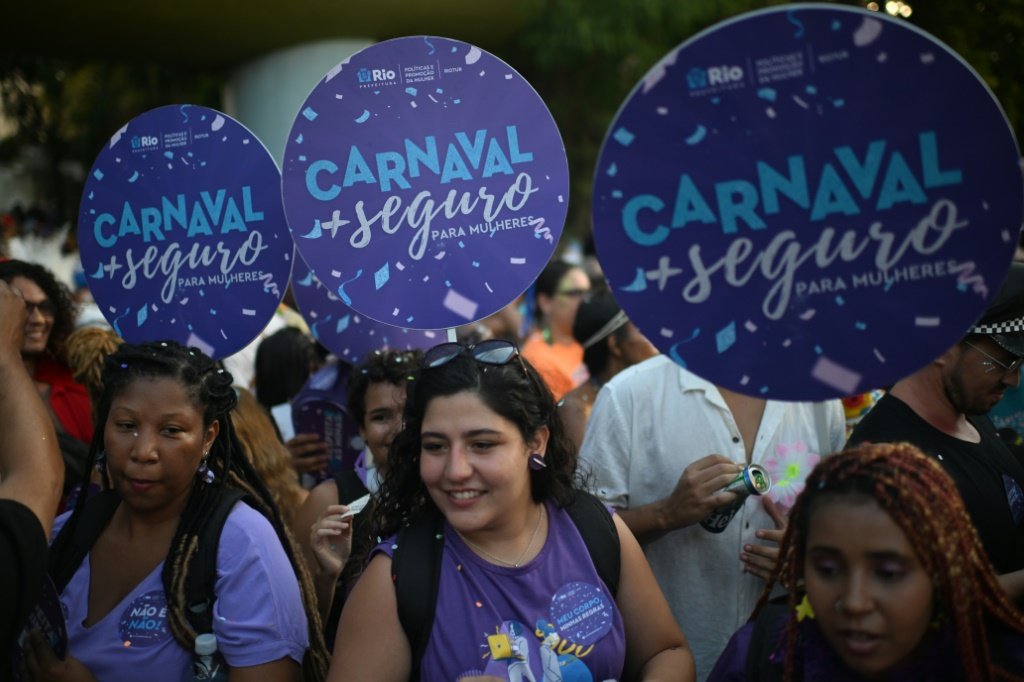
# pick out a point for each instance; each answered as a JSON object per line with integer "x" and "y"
{"x": 753, "y": 480}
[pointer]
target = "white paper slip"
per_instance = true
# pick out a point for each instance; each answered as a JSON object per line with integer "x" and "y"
{"x": 356, "y": 506}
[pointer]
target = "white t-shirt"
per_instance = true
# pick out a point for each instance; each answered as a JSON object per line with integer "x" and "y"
{"x": 648, "y": 424}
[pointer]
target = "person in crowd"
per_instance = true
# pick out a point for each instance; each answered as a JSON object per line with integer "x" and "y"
{"x": 376, "y": 398}
{"x": 559, "y": 290}
{"x": 242, "y": 364}
{"x": 168, "y": 457}
{"x": 887, "y": 580}
{"x": 662, "y": 444}
{"x": 483, "y": 463}
{"x": 268, "y": 456}
{"x": 50, "y": 320}
{"x": 611, "y": 343}
{"x": 31, "y": 471}
{"x": 941, "y": 409}
{"x": 87, "y": 348}
{"x": 284, "y": 360}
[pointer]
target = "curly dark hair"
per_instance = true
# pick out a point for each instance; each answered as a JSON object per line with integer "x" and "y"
{"x": 64, "y": 317}
{"x": 515, "y": 392}
{"x": 392, "y": 366}
{"x": 210, "y": 390}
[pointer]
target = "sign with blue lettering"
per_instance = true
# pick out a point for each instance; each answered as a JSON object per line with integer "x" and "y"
{"x": 182, "y": 231}
{"x": 425, "y": 182}
{"x": 345, "y": 332}
{"x": 807, "y": 201}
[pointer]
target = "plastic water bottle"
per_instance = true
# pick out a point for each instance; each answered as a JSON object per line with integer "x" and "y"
{"x": 206, "y": 665}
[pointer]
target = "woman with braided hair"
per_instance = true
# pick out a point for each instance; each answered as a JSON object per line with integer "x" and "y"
{"x": 887, "y": 580}
{"x": 168, "y": 458}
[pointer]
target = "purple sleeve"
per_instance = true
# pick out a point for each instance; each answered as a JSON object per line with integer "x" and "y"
{"x": 732, "y": 664}
{"x": 251, "y": 562}
{"x": 387, "y": 547}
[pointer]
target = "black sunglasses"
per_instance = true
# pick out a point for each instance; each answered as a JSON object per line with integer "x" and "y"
{"x": 491, "y": 352}
{"x": 494, "y": 352}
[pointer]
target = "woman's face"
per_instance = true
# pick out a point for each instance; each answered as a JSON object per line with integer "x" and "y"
{"x": 40, "y": 318}
{"x": 155, "y": 439}
{"x": 870, "y": 594}
{"x": 383, "y": 420}
{"x": 474, "y": 463}
{"x": 562, "y": 305}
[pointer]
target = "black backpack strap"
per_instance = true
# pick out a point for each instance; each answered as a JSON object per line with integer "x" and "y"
{"x": 419, "y": 544}
{"x": 202, "y": 575}
{"x": 95, "y": 516}
{"x": 764, "y": 639}
{"x": 422, "y": 543}
{"x": 350, "y": 487}
{"x": 597, "y": 528}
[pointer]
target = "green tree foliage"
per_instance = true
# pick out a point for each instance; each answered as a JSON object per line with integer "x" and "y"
{"x": 583, "y": 57}
{"x": 68, "y": 109}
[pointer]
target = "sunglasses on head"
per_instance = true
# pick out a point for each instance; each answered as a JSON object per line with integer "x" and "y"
{"x": 491, "y": 352}
{"x": 495, "y": 352}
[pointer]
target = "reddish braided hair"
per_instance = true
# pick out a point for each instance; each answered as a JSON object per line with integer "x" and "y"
{"x": 923, "y": 501}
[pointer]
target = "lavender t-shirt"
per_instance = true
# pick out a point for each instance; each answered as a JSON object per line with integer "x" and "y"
{"x": 258, "y": 615}
{"x": 549, "y": 620}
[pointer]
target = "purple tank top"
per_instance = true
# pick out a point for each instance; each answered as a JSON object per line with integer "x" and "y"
{"x": 550, "y": 620}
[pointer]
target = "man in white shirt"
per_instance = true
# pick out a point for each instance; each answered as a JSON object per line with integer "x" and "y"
{"x": 661, "y": 444}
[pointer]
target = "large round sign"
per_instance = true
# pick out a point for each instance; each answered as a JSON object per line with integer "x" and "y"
{"x": 807, "y": 201}
{"x": 425, "y": 183}
{"x": 182, "y": 231}
{"x": 345, "y": 332}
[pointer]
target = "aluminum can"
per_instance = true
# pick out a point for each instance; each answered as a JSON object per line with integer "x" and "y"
{"x": 753, "y": 480}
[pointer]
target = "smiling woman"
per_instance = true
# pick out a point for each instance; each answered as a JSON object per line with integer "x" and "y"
{"x": 483, "y": 467}
{"x": 896, "y": 583}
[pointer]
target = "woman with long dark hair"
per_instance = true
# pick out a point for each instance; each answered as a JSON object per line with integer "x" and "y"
{"x": 483, "y": 458}
{"x": 168, "y": 457}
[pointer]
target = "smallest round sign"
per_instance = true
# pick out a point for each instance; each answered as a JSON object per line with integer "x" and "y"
{"x": 182, "y": 231}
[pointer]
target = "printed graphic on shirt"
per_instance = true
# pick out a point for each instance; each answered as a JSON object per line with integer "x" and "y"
{"x": 582, "y": 612}
{"x": 788, "y": 467}
{"x": 144, "y": 622}
{"x": 552, "y": 652}
{"x": 1015, "y": 498}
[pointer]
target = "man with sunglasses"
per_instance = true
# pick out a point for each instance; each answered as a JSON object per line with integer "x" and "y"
{"x": 51, "y": 316}
{"x": 942, "y": 409}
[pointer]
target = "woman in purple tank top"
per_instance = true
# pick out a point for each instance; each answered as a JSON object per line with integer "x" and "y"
{"x": 518, "y": 595}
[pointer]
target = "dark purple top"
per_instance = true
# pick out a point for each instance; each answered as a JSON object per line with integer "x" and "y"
{"x": 939, "y": 660}
{"x": 552, "y": 618}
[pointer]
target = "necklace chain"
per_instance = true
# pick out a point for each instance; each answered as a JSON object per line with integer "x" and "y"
{"x": 519, "y": 560}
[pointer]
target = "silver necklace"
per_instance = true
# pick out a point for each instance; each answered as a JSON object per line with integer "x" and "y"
{"x": 519, "y": 560}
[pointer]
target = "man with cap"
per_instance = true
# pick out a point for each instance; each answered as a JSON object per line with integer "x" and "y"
{"x": 941, "y": 409}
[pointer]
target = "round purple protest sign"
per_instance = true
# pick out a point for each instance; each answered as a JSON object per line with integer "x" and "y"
{"x": 182, "y": 231}
{"x": 425, "y": 183}
{"x": 345, "y": 332}
{"x": 807, "y": 201}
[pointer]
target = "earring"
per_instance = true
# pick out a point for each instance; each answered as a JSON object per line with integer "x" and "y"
{"x": 205, "y": 470}
{"x": 101, "y": 462}
{"x": 537, "y": 462}
{"x": 804, "y": 610}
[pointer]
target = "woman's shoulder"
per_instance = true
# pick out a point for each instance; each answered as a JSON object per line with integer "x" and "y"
{"x": 245, "y": 529}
